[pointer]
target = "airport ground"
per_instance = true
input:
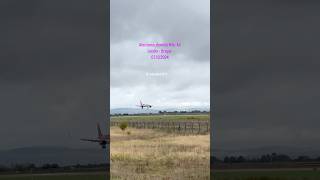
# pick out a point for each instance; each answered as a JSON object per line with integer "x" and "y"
{"x": 163, "y": 117}
{"x": 157, "y": 154}
{"x": 146, "y": 143}
{"x": 171, "y": 123}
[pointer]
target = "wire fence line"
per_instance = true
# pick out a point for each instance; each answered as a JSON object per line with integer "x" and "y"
{"x": 198, "y": 127}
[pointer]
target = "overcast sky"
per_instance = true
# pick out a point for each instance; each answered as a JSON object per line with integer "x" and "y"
{"x": 266, "y": 69}
{"x": 186, "y": 75}
{"x": 52, "y": 72}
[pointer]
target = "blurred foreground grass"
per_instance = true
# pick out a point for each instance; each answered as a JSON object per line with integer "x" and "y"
{"x": 154, "y": 154}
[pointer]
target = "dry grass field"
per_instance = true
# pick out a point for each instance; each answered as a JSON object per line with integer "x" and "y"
{"x": 138, "y": 154}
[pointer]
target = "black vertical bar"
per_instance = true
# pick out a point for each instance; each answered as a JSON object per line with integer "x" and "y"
{"x": 211, "y": 81}
{"x": 107, "y": 83}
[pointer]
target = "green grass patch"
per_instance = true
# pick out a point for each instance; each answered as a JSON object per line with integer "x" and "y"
{"x": 176, "y": 118}
{"x": 54, "y": 177}
{"x": 267, "y": 175}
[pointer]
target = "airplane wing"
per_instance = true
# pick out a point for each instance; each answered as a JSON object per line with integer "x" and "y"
{"x": 91, "y": 140}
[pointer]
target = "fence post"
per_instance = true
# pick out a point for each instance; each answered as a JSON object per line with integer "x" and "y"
{"x": 192, "y": 126}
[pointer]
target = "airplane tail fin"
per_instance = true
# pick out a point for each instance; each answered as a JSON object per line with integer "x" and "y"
{"x": 99, "y": 130}
{"x": 140, "y": 102}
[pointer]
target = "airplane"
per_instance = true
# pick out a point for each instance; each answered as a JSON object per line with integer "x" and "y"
{"x": 144, "y": 105}
{"x": 101, "y": 139}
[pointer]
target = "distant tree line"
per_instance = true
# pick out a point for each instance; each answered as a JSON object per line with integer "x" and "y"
{"x": 273, "y": 157}
{"x": 163, "y": 112}
{"x": 182, "y": 112}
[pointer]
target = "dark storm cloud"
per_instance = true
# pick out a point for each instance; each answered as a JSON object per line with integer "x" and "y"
{"x": 52, "y": 71}
{"x": 43, "y": 34}
{"x": 266, "y": 73}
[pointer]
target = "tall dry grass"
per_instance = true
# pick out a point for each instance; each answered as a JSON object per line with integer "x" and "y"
{"x": 154, "y": 154}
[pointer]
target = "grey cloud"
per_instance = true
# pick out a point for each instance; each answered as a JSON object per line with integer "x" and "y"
{"x": 266, "y": 71}
{"x": 187, "y": 71}
{"x": 52, "y": 72}
{"x": 175, "y": 21}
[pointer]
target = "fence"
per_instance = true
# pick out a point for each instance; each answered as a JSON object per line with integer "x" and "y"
{"x": 172, "y": 126}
